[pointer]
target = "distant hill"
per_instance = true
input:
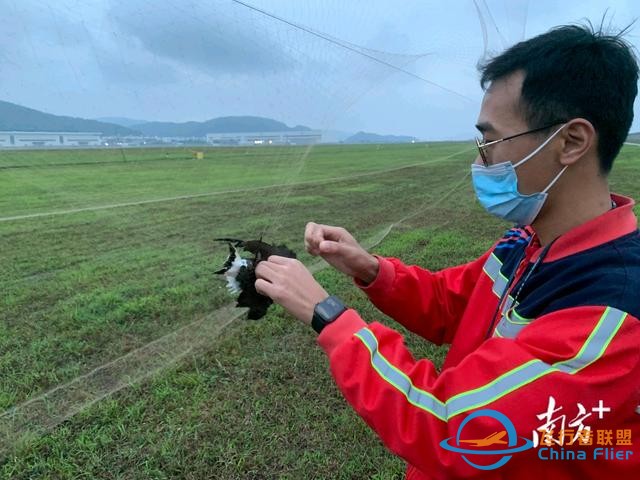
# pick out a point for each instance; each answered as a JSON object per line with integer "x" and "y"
{"x": 364, "y": 137}
{"x": 335, "y": 136}
{"x": 122, "y": 121}
{"x": 23, "y": 119}
{"x": 19, "y": 118}
{"x": 216, "y": 125}
{"x": 634, "y": 137}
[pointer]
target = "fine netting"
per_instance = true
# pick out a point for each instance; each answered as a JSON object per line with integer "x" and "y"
{"x": 107, "y": 254}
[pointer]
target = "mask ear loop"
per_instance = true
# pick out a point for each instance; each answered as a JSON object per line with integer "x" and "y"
{"x": 544, "y": 144}
{"x": 555, "y": 179}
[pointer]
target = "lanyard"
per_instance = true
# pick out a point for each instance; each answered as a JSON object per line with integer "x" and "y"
{"x": 512, "y": 278}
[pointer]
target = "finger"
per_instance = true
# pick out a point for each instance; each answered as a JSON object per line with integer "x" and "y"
{"x": 309, "y": 228}
{"x": 328, "y": 232}
{"x": 311, "y": 238}
{"x": 309, "y": 248}
{"x": 313, "y": 250}
{"x": 265, "y": 288}
{"x": 278, "y": 260}
{"x": 266, "y": 271}
{"x": 328, "y": 246}
{"x": 320, "y": 233}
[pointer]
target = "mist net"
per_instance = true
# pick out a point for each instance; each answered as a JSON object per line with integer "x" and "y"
{"x": 135, "y": 132}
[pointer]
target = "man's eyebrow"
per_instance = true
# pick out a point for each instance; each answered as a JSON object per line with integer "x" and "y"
{"x": 485, "y": 127}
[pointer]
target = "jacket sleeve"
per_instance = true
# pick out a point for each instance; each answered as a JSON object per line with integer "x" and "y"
{"x": 427, "y": 303}
{"x": 577, "y": 355}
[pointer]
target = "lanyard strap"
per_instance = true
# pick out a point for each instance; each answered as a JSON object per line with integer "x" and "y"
{"x": 543, "y": 254}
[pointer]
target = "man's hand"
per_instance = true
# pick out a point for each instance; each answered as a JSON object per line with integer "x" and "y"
{"x": 340, "y": 250}
{"x": 288, "y": 282}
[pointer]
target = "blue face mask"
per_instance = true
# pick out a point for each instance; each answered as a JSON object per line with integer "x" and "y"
{"x": 496, "y": 187}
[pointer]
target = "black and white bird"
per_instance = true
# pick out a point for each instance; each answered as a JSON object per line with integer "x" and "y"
{"x": 241, "y": 275}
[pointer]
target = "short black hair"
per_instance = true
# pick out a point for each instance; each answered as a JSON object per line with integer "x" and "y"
{"x": 574, "y": 71}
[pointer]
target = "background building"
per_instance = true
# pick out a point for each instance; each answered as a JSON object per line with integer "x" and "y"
{"x": 50, "y": 139}
{"x": 290, "y": 137}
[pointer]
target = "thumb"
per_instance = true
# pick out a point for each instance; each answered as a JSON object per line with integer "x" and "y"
{"x": 328, "y": 246}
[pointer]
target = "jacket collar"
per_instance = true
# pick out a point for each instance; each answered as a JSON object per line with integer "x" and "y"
{"x": 612, "y": 224}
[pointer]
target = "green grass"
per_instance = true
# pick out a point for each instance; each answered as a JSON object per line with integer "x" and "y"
{"x": 55, "y": 180}
{"x": 258, "y": 401}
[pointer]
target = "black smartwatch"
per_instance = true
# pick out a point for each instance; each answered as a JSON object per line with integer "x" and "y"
{"x": 326, "y": 312}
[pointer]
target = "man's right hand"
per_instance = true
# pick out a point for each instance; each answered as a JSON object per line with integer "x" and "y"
{"x": 340, "y": 250}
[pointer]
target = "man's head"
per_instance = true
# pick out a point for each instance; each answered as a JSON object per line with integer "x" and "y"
{"x": 570, "y": 74}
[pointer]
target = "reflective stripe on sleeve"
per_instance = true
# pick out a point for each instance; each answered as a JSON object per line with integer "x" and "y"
{"x": 592, "y": 349}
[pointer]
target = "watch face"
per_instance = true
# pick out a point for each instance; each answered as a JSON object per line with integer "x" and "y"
{"x": 323, "y": 311}
{"x": 326, "y": 312}
{"x": 330, "y": 308}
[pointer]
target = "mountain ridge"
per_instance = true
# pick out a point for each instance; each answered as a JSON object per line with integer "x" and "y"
{"x": 14, "y": 117}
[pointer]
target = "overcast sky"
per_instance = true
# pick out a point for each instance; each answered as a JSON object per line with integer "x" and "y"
{"x": 180, "y": 60}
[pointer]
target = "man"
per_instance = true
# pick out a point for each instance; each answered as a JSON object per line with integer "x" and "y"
{"x": 544, "y": 327}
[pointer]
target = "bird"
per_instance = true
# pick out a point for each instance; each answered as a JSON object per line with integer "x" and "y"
{"x": 241, "y": 276}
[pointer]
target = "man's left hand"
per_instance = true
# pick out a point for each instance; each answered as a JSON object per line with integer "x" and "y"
{"x": 288, "y": 282}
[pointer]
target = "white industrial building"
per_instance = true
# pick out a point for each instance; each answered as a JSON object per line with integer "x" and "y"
{"x": 50, "y": 139}
{"x": 291, "y": 137}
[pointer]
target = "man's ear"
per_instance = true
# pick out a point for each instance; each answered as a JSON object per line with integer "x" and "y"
{"x": 579, "y": 137}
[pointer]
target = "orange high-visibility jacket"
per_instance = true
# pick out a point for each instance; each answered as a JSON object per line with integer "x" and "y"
{"x": 525, "y": 323}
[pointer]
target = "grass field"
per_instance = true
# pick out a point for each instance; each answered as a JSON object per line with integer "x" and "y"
{"x": 105, "y": 251}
